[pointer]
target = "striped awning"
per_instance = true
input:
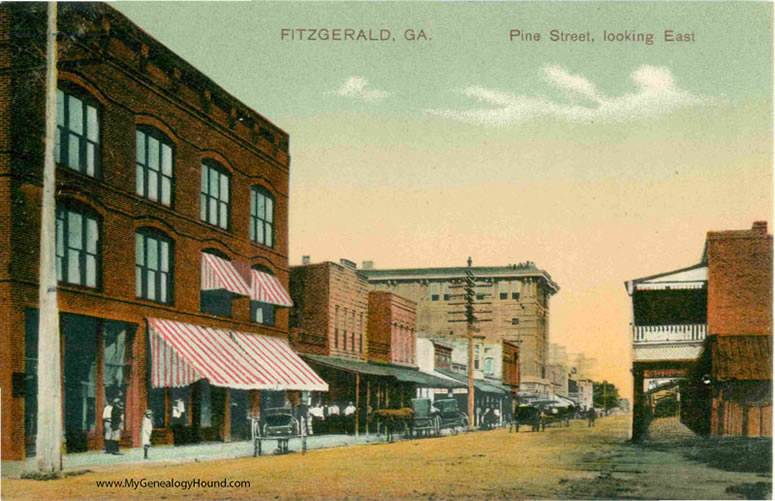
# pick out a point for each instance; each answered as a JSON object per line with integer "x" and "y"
{"x": 280, "y": 362}
{"x": 182, "y": 354}
{"x": 267, "y": 288}
{"x": 218, "y": 273}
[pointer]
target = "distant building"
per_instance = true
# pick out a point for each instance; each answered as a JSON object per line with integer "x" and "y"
{"x": 519, "y": 297}
{"x": 558, "y": 375}
{"x": 581, "y": 391}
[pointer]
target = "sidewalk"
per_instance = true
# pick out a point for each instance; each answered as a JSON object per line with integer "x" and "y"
{"x": 186, "y": 453}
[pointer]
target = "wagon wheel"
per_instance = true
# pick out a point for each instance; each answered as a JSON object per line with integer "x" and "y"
{"x": 437, "y": 426}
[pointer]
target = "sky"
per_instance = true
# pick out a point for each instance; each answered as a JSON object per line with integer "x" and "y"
{"x": 601, "y": 161}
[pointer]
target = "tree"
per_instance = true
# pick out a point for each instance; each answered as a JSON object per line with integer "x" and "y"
{"x": 605, "y": 396}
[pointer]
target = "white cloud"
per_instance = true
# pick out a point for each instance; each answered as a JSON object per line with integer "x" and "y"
{"x": 656, "y": 94}
{"x": 357, "y": 88}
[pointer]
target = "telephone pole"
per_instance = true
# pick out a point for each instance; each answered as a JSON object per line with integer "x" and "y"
{"x": 469, "y": 295}
{"x": 48, "y": 442}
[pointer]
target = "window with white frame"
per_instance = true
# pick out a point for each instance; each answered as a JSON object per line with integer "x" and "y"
{"x": 154, "y": 165}
{"x": 153, "y": 266}
{"x": 215, "y": 205}
{"x": 261, "y": 216}
{"x": 77, "y": 247}
{"x": 78, "y": 132}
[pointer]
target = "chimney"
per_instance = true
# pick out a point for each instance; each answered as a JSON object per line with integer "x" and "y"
{"x": 760, "y": 227}
{"x": 347, "y": 263}
{"x": 304, "y": 259}
{"x": 368, "y": 265}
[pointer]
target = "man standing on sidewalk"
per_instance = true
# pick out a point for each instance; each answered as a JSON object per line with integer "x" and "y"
{"x": 107, "y": 412}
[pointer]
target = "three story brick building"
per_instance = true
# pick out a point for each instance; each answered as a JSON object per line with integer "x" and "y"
{"x": 172, "y": 235}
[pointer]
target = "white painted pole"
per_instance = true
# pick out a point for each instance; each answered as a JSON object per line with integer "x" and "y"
{"x": 48, "y": 444}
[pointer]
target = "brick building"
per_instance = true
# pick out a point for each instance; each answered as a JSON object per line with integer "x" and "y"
{"x": 330, "y": 314}
{"x": 731, "y": 385}
{"x": 392, "y": 329}
{"x": 519, "y": 296}
{"x": 361, "y": 342}
{"x": 709, "y": 328}
{"x": 172, "y": 203}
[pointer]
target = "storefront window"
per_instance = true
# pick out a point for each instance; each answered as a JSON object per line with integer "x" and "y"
{"x": 156, "y": 404}
{"x": 31, "y": 378}
{"x": 206, "y": 413}
{"x": 80, "y": 380}
{"x": 116, "y": 366}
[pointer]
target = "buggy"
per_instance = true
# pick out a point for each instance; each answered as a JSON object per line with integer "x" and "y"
{"x": 449, "y": 416}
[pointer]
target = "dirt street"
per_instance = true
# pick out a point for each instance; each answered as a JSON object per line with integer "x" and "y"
{"x": 560, "y": 463}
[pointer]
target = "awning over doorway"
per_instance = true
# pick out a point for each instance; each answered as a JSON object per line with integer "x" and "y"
{"x": 267, "y": 288}
{"x": 404, "y": 374}
{"x": 218, "y": 273}
{"x": 183, "y": 353}
{"x": 478, "y": 383}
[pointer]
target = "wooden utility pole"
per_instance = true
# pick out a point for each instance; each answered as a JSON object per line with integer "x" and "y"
{"x": 48, "y": 442}
{"x": 469, "y": 312}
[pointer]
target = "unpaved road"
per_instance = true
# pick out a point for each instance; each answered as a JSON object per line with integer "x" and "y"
{"x": 560, "y": 463}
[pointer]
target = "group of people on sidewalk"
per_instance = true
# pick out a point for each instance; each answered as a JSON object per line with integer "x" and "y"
{"x": 331, "y": 419}
{"x": 113, "y": 422}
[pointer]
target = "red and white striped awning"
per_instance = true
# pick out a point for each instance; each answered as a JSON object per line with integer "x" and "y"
{"x": 267, "y": 288}
{"x": 218, "y": 273}
{"x": 281, "y": 362}
{"x": 182, "y": 354}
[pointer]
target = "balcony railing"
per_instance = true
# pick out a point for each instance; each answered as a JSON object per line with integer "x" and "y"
{"x": 669, "y": 333}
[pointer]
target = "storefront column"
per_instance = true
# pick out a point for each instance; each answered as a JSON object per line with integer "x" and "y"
{"x": 368, "y": 402}
{"x": 100, "y": 386}
{"x": 139, "y": 383}
{"x": 357, "y": 400}
{"x": 227, "y": 415}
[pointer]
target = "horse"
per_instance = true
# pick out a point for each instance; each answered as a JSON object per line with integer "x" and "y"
{"x": 392, "y": 417}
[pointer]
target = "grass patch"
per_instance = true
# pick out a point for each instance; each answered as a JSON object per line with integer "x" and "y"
{"x": 758, "y": 490}
{"x": 36, "y": 475}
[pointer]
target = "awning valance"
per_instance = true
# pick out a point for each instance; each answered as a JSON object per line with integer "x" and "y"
{"x": 183, "y": 353}
{"x": 218, "y": 273}
{"x": 267, "y": 288}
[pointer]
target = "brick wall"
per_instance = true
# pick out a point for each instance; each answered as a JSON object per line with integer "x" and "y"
{"x": 392, "y": 329}
{"x": 134, "y": 81}
{"x": 309, "y": 315}
{"x": 740, "y": 281}
{"x": 330, "y": 301}
{"x": 348, "y": 304}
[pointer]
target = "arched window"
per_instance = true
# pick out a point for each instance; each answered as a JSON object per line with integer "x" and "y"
{"x": 215, "y": 201}
{"x": 262, "y": 313}
{"x": 153, "y": 266}
{"x": 261, "y": 216}
{"x": 78, "y": 246}
{"x": 78, "y": 131}
{"x": 155, "y": 163}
